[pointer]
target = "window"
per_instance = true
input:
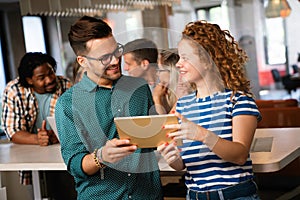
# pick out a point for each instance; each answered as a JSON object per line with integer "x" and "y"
{"x": 275, "y": 44}
{"x": 2, "y": 74}
{"x": 215, "y": 14}
{"x": 33, "y": 34}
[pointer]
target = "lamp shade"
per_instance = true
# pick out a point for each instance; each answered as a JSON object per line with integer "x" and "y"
{"x": 277, "y": 8}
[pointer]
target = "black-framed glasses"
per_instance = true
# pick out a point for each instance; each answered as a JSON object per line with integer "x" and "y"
{"x": 106, "y": 59}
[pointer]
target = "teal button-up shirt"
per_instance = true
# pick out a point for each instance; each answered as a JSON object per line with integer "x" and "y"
{"x": 85, "y": 121}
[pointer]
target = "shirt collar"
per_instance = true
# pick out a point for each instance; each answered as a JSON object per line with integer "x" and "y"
{"x": 87, "y": 84}
{"x": 90, "y": 85}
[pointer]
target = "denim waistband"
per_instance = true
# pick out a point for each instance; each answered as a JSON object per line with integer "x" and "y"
{"x": 242, "y": 189}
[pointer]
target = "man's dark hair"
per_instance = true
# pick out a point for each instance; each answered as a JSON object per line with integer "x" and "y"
{"x": 142, "y": 49}
{"x": 29, "y": 62}
{"x": 85, "y": 29}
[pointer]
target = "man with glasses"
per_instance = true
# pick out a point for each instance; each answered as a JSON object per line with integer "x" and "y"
{"x": 104, "y": 166}
{"x": 106, "y": 59}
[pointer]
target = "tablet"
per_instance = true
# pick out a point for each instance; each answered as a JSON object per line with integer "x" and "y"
{"x": 146, "y": 131}
{"x": 52, "y": 123}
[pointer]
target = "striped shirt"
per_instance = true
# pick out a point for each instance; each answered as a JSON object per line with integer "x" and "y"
{"x": 205, "y": 170}
{"x": 20, "y": 106}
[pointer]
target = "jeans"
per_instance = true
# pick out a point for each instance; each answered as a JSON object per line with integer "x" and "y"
{"x": 243, "y": 191}
{"x": 251, "y": 197}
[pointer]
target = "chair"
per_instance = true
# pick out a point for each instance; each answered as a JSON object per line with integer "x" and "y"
{"x": 295, "y": 69}
{"x": 290, "y": 84}
{"x": 285, "y": 81}
{"x": 277, "y": 78}
{"x": 276, "y": 75}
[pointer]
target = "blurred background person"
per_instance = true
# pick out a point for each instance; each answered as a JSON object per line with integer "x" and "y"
{"x": 140, "y": 60}
{"x": 170, "y": 86}
{"x": 74, "y": 71}
{"x": 78, "y": 72}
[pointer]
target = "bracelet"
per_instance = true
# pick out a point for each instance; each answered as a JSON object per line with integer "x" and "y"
{"x": 99, "y": 155}
{"x": 98, "y": 160}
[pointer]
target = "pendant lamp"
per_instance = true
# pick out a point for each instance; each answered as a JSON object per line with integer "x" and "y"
{"x": 277, "y": 8}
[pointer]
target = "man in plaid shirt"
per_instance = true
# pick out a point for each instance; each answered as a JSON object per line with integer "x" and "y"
{"x": 29, "y": 99}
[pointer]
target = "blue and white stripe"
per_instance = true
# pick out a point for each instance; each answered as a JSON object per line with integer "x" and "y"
{"x": 205, "y": 170}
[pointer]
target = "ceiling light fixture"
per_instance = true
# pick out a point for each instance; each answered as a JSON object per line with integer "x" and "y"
{"x": 77, "y": 8}
{"x": 277, "y": 8}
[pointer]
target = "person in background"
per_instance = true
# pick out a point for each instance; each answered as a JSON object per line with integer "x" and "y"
{"x": 140, "y": 60}
{"x": 104, "y": 166}
{"x": 29, "y": 99}
{"x": 217, "y": 121}
{"x": 170, "y": 87}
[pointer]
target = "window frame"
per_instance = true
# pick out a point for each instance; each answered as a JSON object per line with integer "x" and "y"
{"x": 269, "y": 38}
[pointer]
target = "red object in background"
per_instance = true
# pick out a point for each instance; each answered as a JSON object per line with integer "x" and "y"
{"x": 266, "y": 78}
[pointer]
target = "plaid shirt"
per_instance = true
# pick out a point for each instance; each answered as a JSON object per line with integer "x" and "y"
{"x": 20, "y": 106}
{"x": 20, "y": 109}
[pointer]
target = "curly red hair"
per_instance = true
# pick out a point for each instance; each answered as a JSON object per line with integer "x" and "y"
{"x": 223, "y": 50}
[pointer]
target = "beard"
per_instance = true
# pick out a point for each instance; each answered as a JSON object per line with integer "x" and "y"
{"x": 110, "y": 73}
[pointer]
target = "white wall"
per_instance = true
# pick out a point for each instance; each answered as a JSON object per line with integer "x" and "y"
{"x": 293, "y": 29}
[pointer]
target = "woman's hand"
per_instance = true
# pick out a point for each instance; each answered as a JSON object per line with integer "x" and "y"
{"x": 159, "y": 91}
{"x": 186, "y": 130}
{"x": 171, "y": 154}
{"x": 160, "y": 98}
